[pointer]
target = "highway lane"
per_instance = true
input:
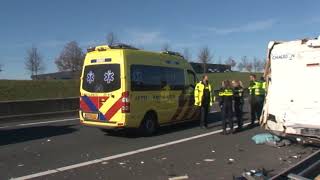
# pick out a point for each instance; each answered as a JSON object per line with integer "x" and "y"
{"x": 39, "y": 147}
{"x": 35, "y": 148}
{"x": 205, "y": 158}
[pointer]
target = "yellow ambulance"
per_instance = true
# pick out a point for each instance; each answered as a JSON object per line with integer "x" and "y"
{"x": 124, "y": 87}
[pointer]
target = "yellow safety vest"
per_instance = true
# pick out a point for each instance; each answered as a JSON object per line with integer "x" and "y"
{"x": 258, "y": 88}
{"x": 198, "y": 93}
{"x": 226, "y": 92}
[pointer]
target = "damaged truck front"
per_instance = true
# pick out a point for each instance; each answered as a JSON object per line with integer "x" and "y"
{"x": 292, "y": 104}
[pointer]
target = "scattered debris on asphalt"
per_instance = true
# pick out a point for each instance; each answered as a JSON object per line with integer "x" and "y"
{"x": 265, "y": 137}
{"x": 253, "y": 174}
{"x": 164, "y": 158}
{"x": 295, "y": 156}
{"x": 122, "y": 163}
{"x": 48, "y": 140}
{"x": 179, "y": 177}
{"x": 198, "y": 163}
{"x": 230, "y": 161}
{"x": 209, "y": 160}
{"x": 105, "y": 162}
{"x": 142, "y": 162}
{"x": 20, "y": 165}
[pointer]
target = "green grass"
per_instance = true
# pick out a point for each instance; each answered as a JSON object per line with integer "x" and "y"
{"x": 45, "y": 89}
{"x": 40, "y": 89}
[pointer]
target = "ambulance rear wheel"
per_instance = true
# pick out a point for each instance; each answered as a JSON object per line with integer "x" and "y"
{"x": 149, "y": 125}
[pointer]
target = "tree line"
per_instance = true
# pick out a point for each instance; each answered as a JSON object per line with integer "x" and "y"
{"x": 244, "y": 64}
{"x": 71, "y": 58}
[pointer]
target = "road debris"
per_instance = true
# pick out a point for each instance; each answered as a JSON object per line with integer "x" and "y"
{"x": 265, "y": 137}
{"x": 122, "y": 163}
{"x": 20, "y": 165}
{"x": 252, "y": 175}
{"x": 213, "y": 151}
{"x": 230, "y": 161}
{"x": 283, "y": 142}
{"x": 179, "y": 177}
{"x": 164, "y": 158}
{"x": 48, "y": 140}
{"x": 105, "y": 162}
{"x": 295, "y": 156}
{"x": 209, "y": 160}
{"x": 198, "y": 163}
{"x": 142, "y": 162}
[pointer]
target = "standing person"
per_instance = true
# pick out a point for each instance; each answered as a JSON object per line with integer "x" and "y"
{"x": 257, "y": 94}
{"x": 226, "y": 97}
{"x": 238, "y": 102}
{"x": 203, "y": 99}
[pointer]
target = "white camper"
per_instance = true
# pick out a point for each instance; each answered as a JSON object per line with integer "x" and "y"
{"x": 292, "y": 105}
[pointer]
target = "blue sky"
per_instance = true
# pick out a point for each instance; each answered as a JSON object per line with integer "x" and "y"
{"x": 229, "y": 28}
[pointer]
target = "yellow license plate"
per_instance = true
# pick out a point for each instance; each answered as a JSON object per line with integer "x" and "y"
{"x": 91, "y": 116}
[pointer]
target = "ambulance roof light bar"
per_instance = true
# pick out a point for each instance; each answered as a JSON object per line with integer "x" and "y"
{"x": 173, "y": 53}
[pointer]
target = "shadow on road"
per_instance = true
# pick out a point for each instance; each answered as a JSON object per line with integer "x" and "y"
{"x": 213, "y": 118}
{"x": 13, "y": 136}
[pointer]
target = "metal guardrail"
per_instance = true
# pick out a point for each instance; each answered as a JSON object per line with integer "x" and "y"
{"x": 306, "y": 169}
{"x": 11, "y": 109}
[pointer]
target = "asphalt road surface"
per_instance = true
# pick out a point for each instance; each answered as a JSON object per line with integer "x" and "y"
{"x": 63, "y": 149}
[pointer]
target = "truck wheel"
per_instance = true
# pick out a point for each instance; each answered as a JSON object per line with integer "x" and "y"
{"x": 149, "y": 125}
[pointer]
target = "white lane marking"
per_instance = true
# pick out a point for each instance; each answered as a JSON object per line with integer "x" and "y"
{"x": 108, "y": 158}
{"x": 179, "y": 177}
{"x": 37, "y": 123}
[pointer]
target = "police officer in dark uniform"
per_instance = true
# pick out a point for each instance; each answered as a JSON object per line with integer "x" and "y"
{"x": 238, "y": 102}
{"x": 226, "y": 97}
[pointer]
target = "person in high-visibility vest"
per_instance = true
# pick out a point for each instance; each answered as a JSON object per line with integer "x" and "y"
{"x": 226, "y": 97}
{"x": 257, "y": 95}
{"x": 203, "y": 98}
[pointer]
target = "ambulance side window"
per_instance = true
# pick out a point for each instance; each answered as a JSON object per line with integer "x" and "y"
{"x": 191, "y": 78}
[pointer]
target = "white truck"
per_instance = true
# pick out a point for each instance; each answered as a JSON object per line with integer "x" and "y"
{"x": 292, "y": 104}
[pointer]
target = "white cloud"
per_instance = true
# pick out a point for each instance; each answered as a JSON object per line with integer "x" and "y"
{"x": 248, "y": 27}
{"x": 146, "y": 38}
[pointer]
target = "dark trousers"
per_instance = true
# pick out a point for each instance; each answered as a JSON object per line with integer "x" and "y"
{"x": 204, "y": 110}
{"x": 227, "y": 115}
{"x": 238, "y": 111}
{"x": 256, "y": 104}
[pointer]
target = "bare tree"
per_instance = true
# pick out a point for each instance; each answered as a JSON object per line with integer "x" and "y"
{"x": 264, "y": 63}
{"x": 186, "y": 54}
{"x": 249, "y": 66}
{"x": 204, "y": 57}
{"x": 231, "y": 62}
{"x": 219, "y": 60}
{"x": 33, "y": 62}
{"x": 257, "y": 65}
{"x": 165, "y": 47}
{"x": 112, "y": 39}
{"x": 71, "y": 58}
{"x": 243, "y": 63}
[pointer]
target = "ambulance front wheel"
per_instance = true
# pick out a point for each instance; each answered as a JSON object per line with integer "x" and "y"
{"x": 149, "y": 125}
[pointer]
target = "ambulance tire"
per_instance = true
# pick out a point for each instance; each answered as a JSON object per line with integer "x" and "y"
{"x": 149, "y": 125}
